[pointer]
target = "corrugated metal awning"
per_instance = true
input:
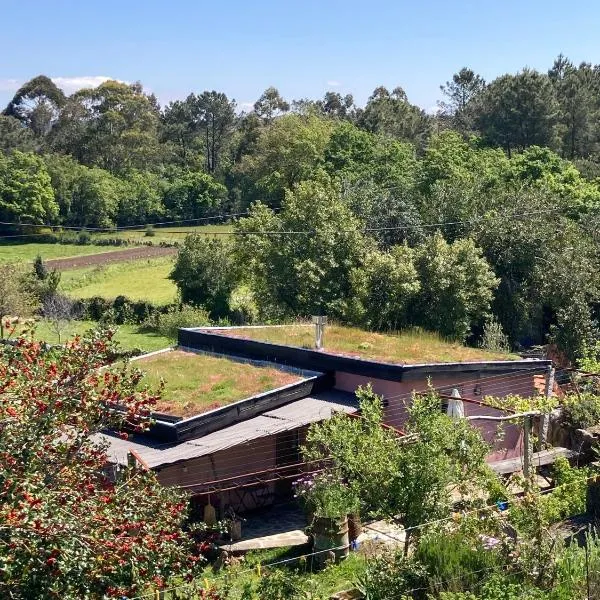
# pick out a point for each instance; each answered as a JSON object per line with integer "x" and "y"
{"x": 291, "y": 416}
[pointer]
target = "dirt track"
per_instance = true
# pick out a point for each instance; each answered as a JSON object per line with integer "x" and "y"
{"x": 104, "y": 258}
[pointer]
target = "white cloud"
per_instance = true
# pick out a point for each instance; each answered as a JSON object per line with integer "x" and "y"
{"x": 9, "y": 85}
{"x": 333, "y": 83}
{"x": 433, "y": 110}
{"x": 72, "y": 84}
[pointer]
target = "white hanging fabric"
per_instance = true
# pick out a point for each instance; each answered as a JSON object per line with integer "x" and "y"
{"x": 456, "y": 407}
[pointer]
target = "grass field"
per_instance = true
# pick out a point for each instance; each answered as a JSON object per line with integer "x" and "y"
{"x": 128, "y": 336}
{"x": 28, "y": 252}
{"x": 408, "y": 347}
{"x": 196, "y": 383}
{"x": 138, "y": 280}
{"x": 164, "y": 234}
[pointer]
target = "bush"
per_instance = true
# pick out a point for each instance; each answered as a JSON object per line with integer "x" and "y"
{"x": 493, "y": 338}
{"x": 243, "y": 306}
{"x": 168, "y": 324}
{"x": 84, "y": 237}
{"x": 149, "y": 231}
{"x": 582, "y": 410}
{"x": 391, "y": 577}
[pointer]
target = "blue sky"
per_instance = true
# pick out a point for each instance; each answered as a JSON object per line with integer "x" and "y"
{"x": 303, "y": 47}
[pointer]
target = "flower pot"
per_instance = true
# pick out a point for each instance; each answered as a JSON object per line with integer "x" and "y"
{"x": 330, "y": 534}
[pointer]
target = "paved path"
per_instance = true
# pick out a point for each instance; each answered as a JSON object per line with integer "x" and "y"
{"x": 110, "y": 256}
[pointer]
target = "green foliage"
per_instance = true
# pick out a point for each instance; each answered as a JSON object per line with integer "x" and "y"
{"x": 205, "y": 273}
{"x": 191, "y": 194}
{"x": 391, "y": 577}
{"x": 493, "y": 337}
{"x": 167, "y": 324}
{"x": 412, "y": 479}
{"x": 26, "y": 193}
{"x": 581, "y": 410}
{"x": 303, "y": 274}
{"x": 457, "y": 286}
{"x": 455, "y": 563}
{"x": 385, "y": 288}
{"x": 291, "y": 150}
{"x": 72, "y": 531}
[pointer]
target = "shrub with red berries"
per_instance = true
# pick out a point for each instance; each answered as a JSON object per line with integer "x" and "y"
{"x": 66, "y": 529}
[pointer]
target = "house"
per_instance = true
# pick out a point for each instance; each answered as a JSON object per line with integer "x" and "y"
{"x": 238, "y": 449}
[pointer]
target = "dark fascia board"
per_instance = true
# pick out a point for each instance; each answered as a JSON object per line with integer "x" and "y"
{"x": 219, "y": 418}
{"x": 304, "y": 358}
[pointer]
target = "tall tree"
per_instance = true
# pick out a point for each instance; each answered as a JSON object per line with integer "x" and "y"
{"x": 113, "y": 126}
{"x": 393, "y": 115}
{"x": 577, "y": 90}
{"x": 200, "y": 122}
{"x": 517, "y": 111}
{"x": 460, "y": 92}
{"x": 270, "y": 105}
{"x": 37, "y": 104}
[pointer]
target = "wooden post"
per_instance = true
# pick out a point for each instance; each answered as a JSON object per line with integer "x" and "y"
{"x": 527, "y": 447}
{"x": 545, "y": 419}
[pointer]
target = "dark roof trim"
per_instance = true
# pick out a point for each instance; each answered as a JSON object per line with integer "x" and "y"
{"x": 219, "y": 418}
{"x": 303, "y": 358}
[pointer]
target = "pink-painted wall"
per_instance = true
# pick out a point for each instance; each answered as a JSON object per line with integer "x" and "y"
{"x": 397, "y": 394}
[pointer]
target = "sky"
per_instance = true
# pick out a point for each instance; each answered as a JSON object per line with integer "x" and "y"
{"x": 304, "y": 48}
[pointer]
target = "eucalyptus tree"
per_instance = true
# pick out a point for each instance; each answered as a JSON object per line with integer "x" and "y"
{"x": 37, "y": 104}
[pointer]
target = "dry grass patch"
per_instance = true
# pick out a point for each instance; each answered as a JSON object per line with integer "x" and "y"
{"x": 196, "y": 383}
{"x": 408, "y": 347}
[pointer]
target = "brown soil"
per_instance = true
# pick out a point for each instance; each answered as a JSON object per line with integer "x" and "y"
{"x": 104, "y": 258}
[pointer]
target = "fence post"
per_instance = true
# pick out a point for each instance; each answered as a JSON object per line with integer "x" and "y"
{"x": 527, "y": 448}
{"x": 545, "y": 419}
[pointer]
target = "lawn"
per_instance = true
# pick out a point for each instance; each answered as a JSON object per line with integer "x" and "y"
{"x": 28, "y": 252}
{"x": 138, "y": 280}
{"x": 128, "y": 336}
{"x": 195, "y": 383}
{"x": 408, "y": 347}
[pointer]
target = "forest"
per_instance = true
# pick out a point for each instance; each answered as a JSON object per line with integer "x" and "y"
{"x": 479, "y": 222}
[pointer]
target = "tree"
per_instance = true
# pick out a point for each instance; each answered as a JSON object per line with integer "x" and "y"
{"x": 41, "y": 282}
{"x": 191, "y": 194}
{"x": 113, "y": 126}
{"x": 413, "y": 478}
{"x": 577, "y": 93}
{"x": 26, "y": 193}
{"x": 14, "y": 135}
{"x": 205, "y": 273}
{"x": 287, "y": 152}
{"x": 270, "y": 105}
{"x": 457, "y": 286}
{"x": 308, "y": 272}
{"x": 59, "y": 311}
{"x": 95, "y": 198}
{"x": 69, "y": 530}
{"x": 393, "y": 115}
{"x": 37, "y": 105}
{"x": 385, "y": 287}
{"x": 517, "y": 111}
{"x": 15, "y": 299}
{"x": 205, "y": 121}
{"x": 461, "y": 93}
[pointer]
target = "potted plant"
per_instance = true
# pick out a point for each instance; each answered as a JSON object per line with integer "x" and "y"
{"x": 329, "y": 499}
